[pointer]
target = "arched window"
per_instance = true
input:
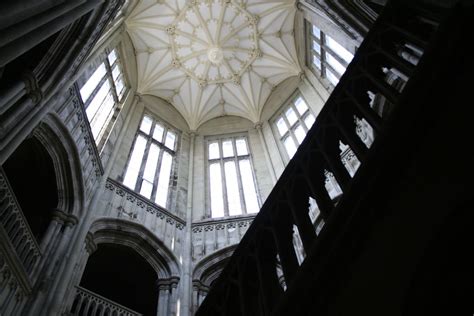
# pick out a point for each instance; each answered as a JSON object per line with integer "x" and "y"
{"x": 102, "y": 94}
{"x": 292, "y": 123}
{"x": 326, "y": 57}
{"x": 232, "y": 185}
{"x": 150, "y": 165}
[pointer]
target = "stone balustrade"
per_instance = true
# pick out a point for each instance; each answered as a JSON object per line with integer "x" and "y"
{"x": 15, "y": 227}
{"x": 122, "y": 202}
{"x": 92, "y": 304}
{"x": 215, "y": 234}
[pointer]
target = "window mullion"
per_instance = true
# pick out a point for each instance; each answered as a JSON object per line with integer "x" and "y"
{"x": 138, "y": 185}
{"x": 224, "y": 184}
{"x": 111, "y": 79}
{"x": 95, "y": 91}
{"x": 157, "y": 174}
{"x": 336, "y": 56}
{"x": 239, "y": 179}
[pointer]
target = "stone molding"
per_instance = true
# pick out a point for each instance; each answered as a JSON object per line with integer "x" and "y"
{"x": 144, "y": 203}
{"x": 220, "y": 224}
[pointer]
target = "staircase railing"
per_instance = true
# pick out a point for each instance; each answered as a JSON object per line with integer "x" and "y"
{"x": 92, "y": 304}
{"x": 384, "y": 67}
{"x": 16, "y": 229}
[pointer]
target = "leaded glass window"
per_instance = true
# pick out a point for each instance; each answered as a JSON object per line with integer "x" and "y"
{"x": 150, "y": 166}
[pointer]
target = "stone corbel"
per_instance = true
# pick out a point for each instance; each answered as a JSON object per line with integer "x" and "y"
{"x": 32, "y": 87}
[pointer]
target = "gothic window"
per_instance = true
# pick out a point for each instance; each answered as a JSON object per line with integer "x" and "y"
{"x": 293, "y": 124}
{"x": 150, "y": 165}
{"x": 232, "y": 186}
{"x": 102, "y": 94}
{"x": 326, "y": 57}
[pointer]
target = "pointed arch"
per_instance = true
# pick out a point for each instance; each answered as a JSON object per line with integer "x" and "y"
{"x": 60, "y": 145}
{"x": 141, "y": 240}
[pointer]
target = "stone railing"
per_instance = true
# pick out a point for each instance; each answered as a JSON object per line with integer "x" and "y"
{"x": 15, "y": 228}
{"x": 250, "y": 284}
{"x": 122, "y": 202}
{"x": 91, "y": 304}
{"x": 212, "y": 235}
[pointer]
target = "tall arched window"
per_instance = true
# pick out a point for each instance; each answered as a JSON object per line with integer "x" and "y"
{"x": 102, "y": 94}
{"x": 292, "y": 124}
{"x": 150, "y": 166}
{"x": 326, "y": 57}
{"x": 232, "y": 185}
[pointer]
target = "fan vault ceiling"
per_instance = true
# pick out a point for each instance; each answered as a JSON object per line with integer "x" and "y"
{"x": 211, "y": 58}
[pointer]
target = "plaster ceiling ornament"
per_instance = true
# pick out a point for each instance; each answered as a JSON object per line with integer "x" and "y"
{"x": 211, "y": 58}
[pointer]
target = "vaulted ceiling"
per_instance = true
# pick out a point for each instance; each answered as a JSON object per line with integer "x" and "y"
{"x": 211, "y": 58}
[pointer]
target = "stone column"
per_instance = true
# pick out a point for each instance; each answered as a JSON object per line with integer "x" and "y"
{"x": 186, "y": 304}
{"x": 173, "y": 299}
{"x": 21, "y": 45}
{"x": 164, "y": 287}
{"x": 268, "y": 160}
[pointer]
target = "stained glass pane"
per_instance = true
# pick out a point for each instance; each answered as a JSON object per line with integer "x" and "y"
{"x": 339, "y": 49}
{"x": 332, "y": 77}
{"x": 316, "y": 32}
{"x": 282, "y": 128}
{"x": 217, "y": 200}
{"x": 301, "y": 106}
{"x": 135, "y": 163}
{"x": 291, "y": 116}
{"x": 300, "y": 134}
{"x": 146, "y": 189}
{"x": 232, "y": 186}
{"x": 146, "y": 125}
{"x": 170, "y": 140}
{"x": 152, "y": 160}
{"x": 290, "y": 146}
{"x": 241, "y": 145}
{"x": 164, "y": 180}
{"x": 158, "y": 132}
{"x": 214, "y": 150}
{"x": 316, "y": 62}
{"x": 227, "y": 149}
{"x": 309, "y": 120}
{"x": 112, "y": 56}
{"x": 103, "y": 116}
{"x": 96, "y": 102}
{"x": 250, "y": 193}
{"x": 92, "y": 82}
{"x": 317, "y": 47}
{"x": 335, "y": 64}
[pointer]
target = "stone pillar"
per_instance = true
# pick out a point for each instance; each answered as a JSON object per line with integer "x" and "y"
{"x": 21, "y": 45}
{"x": 268, "y": 160}
{"x": 163, "y": 297}
{"x": 185, "y": 302}
{"x": 173, "y": 299}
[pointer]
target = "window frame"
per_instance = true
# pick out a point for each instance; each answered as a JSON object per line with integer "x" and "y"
{"x": 290, "y": 103}
{"x": 236, "y": 158}
{"x": 162, "y": 148}
{"x": 325, "y": 49}
{"x": 117, "y": 96}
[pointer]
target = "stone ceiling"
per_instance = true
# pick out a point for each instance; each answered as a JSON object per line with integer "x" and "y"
{"x": 211, "y": 58}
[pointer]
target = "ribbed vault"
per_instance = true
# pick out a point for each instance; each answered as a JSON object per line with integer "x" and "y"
{"x": 211, "y": 58}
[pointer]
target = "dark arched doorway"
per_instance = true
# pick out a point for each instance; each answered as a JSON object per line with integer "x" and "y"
{"x": 30, "y": 171}
{"x": 120, "y": 274}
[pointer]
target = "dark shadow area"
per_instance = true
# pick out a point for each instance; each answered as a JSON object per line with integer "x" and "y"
{"x": 123, "y": 276}
{"x": 30, "y": 171}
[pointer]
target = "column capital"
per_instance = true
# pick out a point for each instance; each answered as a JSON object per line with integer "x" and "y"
{"x": 258, "y": 126}
{"x": 91, "y": 246}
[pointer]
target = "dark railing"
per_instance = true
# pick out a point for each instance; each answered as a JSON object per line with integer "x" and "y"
{"x": 386, "y": 66}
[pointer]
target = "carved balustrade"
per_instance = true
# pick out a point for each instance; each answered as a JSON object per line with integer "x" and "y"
{"x": 351, "y": 124}
{"x": 92, "y": 304}
{"x": 15, "y": 227}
